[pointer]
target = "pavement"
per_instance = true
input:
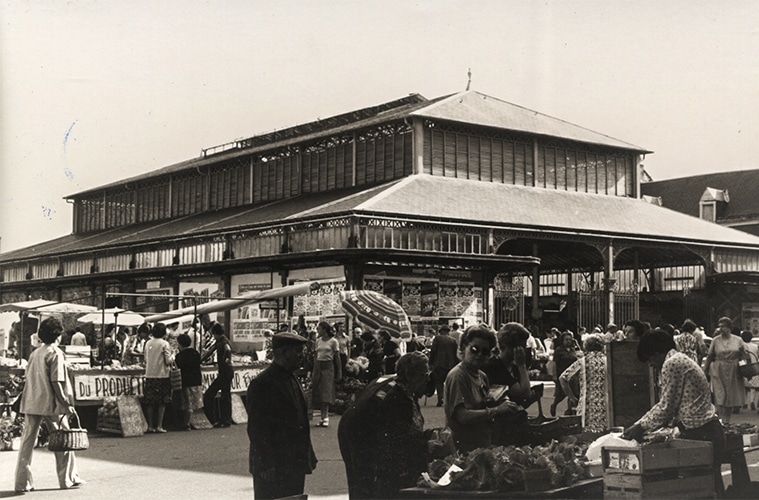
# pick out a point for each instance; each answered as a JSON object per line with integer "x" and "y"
{"x": 212, "y": 463}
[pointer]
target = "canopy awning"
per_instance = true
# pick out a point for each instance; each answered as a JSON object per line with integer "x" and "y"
{"x": 239, "y": 301}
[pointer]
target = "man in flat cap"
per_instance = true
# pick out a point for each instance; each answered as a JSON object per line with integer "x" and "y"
{"x": 280, "y": 441}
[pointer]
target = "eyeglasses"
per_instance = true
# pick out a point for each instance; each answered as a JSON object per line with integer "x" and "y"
{"x": 485, "y": 351}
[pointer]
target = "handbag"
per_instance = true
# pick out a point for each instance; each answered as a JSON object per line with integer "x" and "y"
{"x": 749, "y": 369}
{"x": 175, "y": 376}
{"x": 73, "y": 439}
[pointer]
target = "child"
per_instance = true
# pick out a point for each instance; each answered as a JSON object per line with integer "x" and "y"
{"x": 190, "y": 397}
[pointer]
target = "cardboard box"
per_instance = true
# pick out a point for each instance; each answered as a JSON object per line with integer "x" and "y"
{"x": 693, "y": 482}
{"x": 676, "y": 454}
{"x": 750, "y": 439}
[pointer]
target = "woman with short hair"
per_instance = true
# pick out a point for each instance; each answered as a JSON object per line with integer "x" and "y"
{"x": 721, "y": 367}
{"x": 327, "y": 370}
{"x": 466, "y": 392}
{"x": 591, "y": 371}
{"x": 157, "y": 386}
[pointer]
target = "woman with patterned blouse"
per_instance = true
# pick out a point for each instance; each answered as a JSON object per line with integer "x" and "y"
{"x": 684, "y": 401}
{"x": 591, "y": 371}
{"x": 689, "y": 343}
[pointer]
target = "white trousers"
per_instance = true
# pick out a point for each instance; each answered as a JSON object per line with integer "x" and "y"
{"x": 65, "y": 461}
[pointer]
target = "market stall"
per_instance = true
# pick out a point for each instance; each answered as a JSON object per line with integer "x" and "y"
{"x": 92, "y": 386}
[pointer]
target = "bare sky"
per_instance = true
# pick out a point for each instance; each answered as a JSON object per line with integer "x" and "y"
{"x": 95, "y": 91}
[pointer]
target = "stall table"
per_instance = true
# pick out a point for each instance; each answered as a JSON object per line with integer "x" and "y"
{"x": 587, "y": 488}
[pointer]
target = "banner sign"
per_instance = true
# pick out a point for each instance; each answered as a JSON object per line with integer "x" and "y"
{"x": 95, "y": 385}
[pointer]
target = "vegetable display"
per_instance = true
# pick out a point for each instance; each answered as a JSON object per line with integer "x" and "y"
{"x": 502, "y": 468}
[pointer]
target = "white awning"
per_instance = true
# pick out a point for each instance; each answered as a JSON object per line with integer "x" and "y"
{"x": 239, "y": 301}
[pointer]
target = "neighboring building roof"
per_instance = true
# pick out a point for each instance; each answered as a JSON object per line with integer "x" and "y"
{"x": 467, "y": 107}
{"x": 454, "y": 200}
{"x": 683, "y": 194}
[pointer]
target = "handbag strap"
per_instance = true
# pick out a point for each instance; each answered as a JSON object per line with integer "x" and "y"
{"x": 75, "y": 415}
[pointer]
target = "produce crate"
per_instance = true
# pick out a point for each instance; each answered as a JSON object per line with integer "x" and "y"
{"x": 128, "y": 421}
{"x": 111, "y": 425}
{"x": 750, "y": 439}
{"x": 676, "y": 454}
{"x": 688, "y": 482}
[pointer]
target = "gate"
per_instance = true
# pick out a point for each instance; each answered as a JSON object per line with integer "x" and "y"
{"x": 508, "y": 301}
{"x": 593, "y": 308}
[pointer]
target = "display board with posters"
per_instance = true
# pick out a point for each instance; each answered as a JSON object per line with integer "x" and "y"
{"x": 428, "y": 300}
{"x": 322, "y": 302}
{"x": 249, "y": 323}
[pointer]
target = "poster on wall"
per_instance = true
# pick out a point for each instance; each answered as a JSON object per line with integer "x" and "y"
{"x": 448, "y": 300}
{"x": 412, "y": 297}
{"x": 394, "y": 290}
{"x": 750, "y": 317}
{"x": 429, "y": 298}
{"x": 474, "y": 310}
{"x": 250, "y": 322}
{"x": 322, "y": 302}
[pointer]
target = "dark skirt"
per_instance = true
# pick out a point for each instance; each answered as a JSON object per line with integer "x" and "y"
{"x": 157, "y": 391}
{"x": 324, "y": 382}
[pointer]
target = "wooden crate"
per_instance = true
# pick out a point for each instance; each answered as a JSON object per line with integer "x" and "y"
{"x": 688, "y": 482}
{"x": 111, "y": 425}
{"x": 642, "y": 459}
{"x": 750, "y": 439}
{"x": 130, "y": 421}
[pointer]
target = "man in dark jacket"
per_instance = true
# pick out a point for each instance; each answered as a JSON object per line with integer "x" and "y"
{"x": 442, "y": 358}
{"x": 280, "y": 441}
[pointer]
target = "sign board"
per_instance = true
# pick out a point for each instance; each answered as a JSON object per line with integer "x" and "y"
{"x": 94, "y": 385}
{"x": 133, "y": 422}
{"x": 239, "y": 412}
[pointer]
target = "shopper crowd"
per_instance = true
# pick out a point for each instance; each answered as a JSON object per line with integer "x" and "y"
{"x": 484, "y": 379}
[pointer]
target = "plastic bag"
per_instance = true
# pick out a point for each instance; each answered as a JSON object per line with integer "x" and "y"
{"x": 594, "y": 450}
{"x": 551, "y": 368}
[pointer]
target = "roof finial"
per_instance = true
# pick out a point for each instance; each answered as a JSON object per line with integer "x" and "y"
{"x": 469, "y": 78}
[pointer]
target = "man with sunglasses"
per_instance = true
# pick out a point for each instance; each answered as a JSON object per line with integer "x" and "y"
{"x": 466, "y": 392}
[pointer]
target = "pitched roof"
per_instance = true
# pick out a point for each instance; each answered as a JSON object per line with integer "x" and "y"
{"x": 480, "y": 109}
{"x": 529, "y": 207}
{"x": 427, "y": 197}
{"x": 468, "y": 107}
{"x": 683, "y": 194}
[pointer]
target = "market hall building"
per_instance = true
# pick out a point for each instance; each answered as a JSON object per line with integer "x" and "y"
{"x": 461, "y": 208}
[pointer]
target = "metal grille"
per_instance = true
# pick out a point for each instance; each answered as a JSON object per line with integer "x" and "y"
{"x": 508, "y": 301}
{"x": 593, "y": 308}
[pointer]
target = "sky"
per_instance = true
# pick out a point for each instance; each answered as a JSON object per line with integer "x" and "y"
{"x": 96, "y": 91}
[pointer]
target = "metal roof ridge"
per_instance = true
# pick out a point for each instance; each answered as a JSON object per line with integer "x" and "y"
{"x": 486, "y": 96}
{"x": 337, "y": 201}
{"x": 366, "y": 205}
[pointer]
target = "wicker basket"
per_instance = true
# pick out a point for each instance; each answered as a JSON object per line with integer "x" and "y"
{"x": 73, "y": 439}
{"x": 749, "y": 370}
